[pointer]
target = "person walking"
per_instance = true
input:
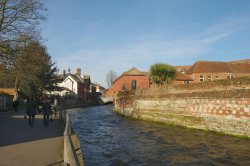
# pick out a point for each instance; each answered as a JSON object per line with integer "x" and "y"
{"x": 31, "y": 111}
{"x": 46, "y": 112}
{"x": 15, "y": 104}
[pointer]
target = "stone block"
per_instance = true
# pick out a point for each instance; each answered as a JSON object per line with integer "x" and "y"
{"x": 234, "y": 111}
{"x": 246, "y": 109}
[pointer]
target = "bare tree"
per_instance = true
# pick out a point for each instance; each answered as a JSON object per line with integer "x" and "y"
{"x": 18, "y": 18}
{"x": 110, "y": 78}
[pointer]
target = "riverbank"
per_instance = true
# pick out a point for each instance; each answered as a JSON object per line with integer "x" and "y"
{"x": 224, "y": 109}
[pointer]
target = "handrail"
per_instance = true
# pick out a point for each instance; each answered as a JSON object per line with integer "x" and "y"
{"x": 70, "y": 156}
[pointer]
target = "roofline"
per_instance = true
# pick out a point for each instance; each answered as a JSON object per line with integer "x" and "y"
{"x": 124, "y": 74}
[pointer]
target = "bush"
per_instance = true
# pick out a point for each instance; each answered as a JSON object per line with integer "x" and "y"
{"x": 162, "y": 73}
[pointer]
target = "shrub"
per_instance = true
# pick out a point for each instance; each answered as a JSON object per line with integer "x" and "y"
{"x": 162, "y": 73}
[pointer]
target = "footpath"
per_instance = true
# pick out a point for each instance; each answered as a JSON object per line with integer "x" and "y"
{"x": 23, "y": 145}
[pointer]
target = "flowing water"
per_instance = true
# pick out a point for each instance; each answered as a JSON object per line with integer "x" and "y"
{"x": 113, "y": 140}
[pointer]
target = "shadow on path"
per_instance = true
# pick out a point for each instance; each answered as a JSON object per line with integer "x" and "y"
{"x": 14, "y": 129}
{"x": 20, "y": 143}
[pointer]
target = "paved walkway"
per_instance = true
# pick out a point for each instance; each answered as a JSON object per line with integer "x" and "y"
{"x": 23, "y": 145}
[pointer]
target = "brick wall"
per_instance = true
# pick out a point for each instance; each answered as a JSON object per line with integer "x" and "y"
{"x": 213, "y": 76}
{"x": 227, "y": 115}
{"x": 142, "y": 82}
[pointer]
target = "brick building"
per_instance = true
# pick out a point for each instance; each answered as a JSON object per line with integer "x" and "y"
{"x": 209, "y": 70}
{"x": 131, "y": 79}
{"x": 135, "y": 79}
{"x": 181, "y": 78}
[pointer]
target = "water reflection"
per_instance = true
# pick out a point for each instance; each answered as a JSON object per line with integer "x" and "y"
{"x": 110, "y": 139}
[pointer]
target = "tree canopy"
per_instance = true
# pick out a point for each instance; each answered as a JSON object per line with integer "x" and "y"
{"x": 24, "y": 61}
{"x": 34, "y": 70}
{"x": 162, "y": 73}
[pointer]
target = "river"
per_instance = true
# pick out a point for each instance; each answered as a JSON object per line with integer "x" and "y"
{"x": 108, "y": 139}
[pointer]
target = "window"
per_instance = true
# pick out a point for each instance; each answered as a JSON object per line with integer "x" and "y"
{"x": 209, "y": 78}
{"x": 217, "y": 77}
{"x": 133, "y": 84}
{"x": 230, "y": 77}
{"x": 202, "y": 78}
{"x": 186, "y": 82}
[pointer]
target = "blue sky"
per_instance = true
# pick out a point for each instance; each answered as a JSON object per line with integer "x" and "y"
{"x": 98, "y": 35}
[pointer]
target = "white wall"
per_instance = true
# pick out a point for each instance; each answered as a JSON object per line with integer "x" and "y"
{"x": 69, "y": 83}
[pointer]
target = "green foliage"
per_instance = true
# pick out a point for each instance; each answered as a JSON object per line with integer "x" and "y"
{"x": 162, "y": 73}
{"x": 35, "y": 71}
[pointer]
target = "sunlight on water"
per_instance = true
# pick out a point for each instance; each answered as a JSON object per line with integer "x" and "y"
{"x": 110, "y": 139}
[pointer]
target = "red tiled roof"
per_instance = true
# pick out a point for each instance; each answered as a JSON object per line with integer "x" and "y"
{"x": 242, "y": 61}
{"x": 182, "y": 77}
{"x": 133, "y": 71}
{"x": 218, "y": 67}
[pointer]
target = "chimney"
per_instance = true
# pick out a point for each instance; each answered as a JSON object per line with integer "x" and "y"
{"x": 68, "y": 70}
{"x": 78, "y": 71}
{"x": 64, "y": 72}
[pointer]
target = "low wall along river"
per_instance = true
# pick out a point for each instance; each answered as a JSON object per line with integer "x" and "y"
{"x": 216, "y": 111}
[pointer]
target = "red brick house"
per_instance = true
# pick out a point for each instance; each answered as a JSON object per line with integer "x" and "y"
{"x": 209, "y": 70}
{"x": 181, "y": 78}
{"x": 135, "y": 79}
{"x": 131, "y": 79}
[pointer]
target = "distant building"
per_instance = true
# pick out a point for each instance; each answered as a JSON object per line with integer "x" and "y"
{"x": 129, "y": 80}
{"x": 209, "y": 70}
{"x": 98, "y": 88}
{"x": 6, "y": 98}
{"x": 135, "y": 79}
{"x": 181, "y": 78}
{"x": 182, "y": 69}
{"x": 78, "y": 84}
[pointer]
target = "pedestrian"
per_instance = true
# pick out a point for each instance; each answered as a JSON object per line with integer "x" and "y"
{"x": 31, "y": 111}
{"x": 46, "y": 112}
{"x": 15, "y": 104}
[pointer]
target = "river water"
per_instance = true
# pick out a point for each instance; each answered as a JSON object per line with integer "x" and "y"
{"x": 109, "y": 139}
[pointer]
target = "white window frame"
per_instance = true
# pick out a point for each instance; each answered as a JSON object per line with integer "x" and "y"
{"x": 209, "y": 78}
{"x": 202, "y": 78}
{"x": 230, "y": 76}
